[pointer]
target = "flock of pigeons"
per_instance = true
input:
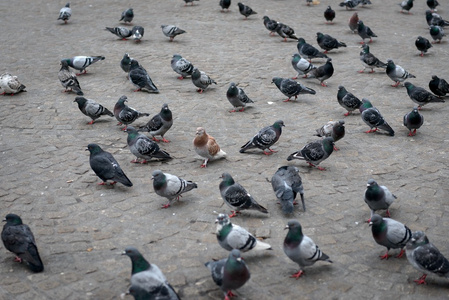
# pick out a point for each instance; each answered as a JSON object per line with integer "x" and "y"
{"x": 147, "y": 280}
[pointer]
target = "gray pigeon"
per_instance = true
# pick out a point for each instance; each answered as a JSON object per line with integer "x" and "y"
{"x": 82, "y": 62}
{"x": 365, "y": 32}
{"x": 439, "y": 86}
{"x": 389, "y": 233}
{"x": 171, "y": 31}
{"x": 126, "y": 114}
{"x": 231, "y": 236}
{"x": 137, "y": 33}
{"x": 229, "y": 273}
{"x": 420, "y": 96}
{"x": 373, "y": 118}
{"x": 270, "y": 24}
{"x": 245, "y": 10}
{"x": 265, "y": 138}
{"x": 315, "y": 152}
{"x": 425, "y": 257}
{"x": 327, "y": 42}
{"x": 147, "y": 279}
{"x": 334, "y": 129}
{"x": 139, "y": 77}
{"x": 413, "y": 120}
{"x": 435, "y": 19}
{"x": 422, "y": 44}
{"x": 323, "y": 72}
{"x": 127, "y": 15}
{"x": 437, "y": 33}
{"x": 301, "y": 249}
{"x": 349, "y": 4}
{"x": 10, "y": 84}
{"x": 225, "y": 4}
{"x": 201, "y": 80}
{"x": 308, "y": 51}
{"x": 406, "y": 5}
{"x": 92, "y": 109}
{"x": 159, "y": 124}
{"x": 286, "y": 184}
{"x": 285, "y": 31}
{"x": 369, "y": 60}
{"x": 170, "y": 186}
{"x": 301, "y": 65}
{"x": 397, "y": 73}
{"x": 18, "y": 238}
{"x": 236, "y": 197}
{"x": 143, "y": 147}
{"x": 68, "y": 79}
{"x": 378, "y": 197}
{"x": 65, "y": 13}
{"x": 121, "y": 32}
{"x": 237, "y": 97}
{"x": 106, "y": 167}
{"x": 347, "y": 100}
{"x": 125, "y": 63}
{"x": 291, "y": 88}
{"x": 181, "y": 66}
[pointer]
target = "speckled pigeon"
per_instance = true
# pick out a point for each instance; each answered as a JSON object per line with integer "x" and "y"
{"x": 347, "y": 100}
{"x": 438, "y": 86}
{"x": 245, "y": 10}
{"x": 315, "y": 152}
{"x": 413, "y": 120}
{"x": 206, "y": 146}
{"x": 270, "y": 24}
{"x": 323, "y": 72}
{"x": 68, "y": 79}
{"x": 92, "y": 109}
{"x": 201, "y": 80}
{"x": 181, "y": 66}
{"x": 327, "y": 42}
{"x": 143, "y": 147}
{"x": 286, "y": 184}
{"x": 334, "y": 129}
{"x": 121, "y": 32}
{"x": 265, "y": 138}
{"x": 365, "y": 32}
{"x": 10, "y": 84}
{"x": 285, "y": 31}
{"x": 139, "y": 77}
{"x": 237, "y": 97}
{"x": 420, "y": 96}
{"x": 437, "y": 33}
{"x": 137, "y": 33}
{"x": 308, "y": 51}
{"x": 80, "y": 63}
{"x": 373, "y": 118}
{"x": 369, "y": 60}
{"x": 435, "y": 19}
{"x": 397, "y": 73}
{"x": 126, "y": 114}
{"x": 65, "y": 13}
{"x": 170, "y": 186}
{"x": 171, "y": 31}
{"x": 378, "y": 197}
{"x": 349, "y": 4}
{"x": 159, "y": 124}
{"x": 291, "y": 88}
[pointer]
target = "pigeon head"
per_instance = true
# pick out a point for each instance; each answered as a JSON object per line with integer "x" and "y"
{"x": 366, "y": 104}
{"x": 408, "y": 85}
{"x": 94, "y": 148}
{"x": 390, "y": 62}
{"x": 371, "y": 182}
{"x": 294, "y": 235}
{"x": 277, "y": 81}
{"x": 235, "y": 255}
{"x": 278, "y": 124}
{"x": 131, "y": 130}
{"x": 240, "y": 4}
{"x": 319, "y": 34}
{"x": 301, "y": 41}
{"x": 340, "y": 87}
{"x": 13, "y": 219}
{"x": 177, "y": 56}
{"x": 158, "y": 178}
{"x": 64, "y": 64}
{"x": 139, "y": 263}
{"x": 435, "y": 77}
{"x": 80, "y": 101}
{"x": 200, "y": 131}
{"x": 196, "y": 73}
{"x": 375, "y": 220}
{"x": 365, "y": 48}
{"x": 227, "y": 179}
{"x": 131, "y": 252}
{"x": 222, "y": 219}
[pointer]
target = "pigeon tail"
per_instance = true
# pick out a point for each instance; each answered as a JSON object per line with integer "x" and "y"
{"x": 262, "y": 246}
{"x": 161, "y": 154}
{"x": 248, "y": 145}
{"x": 259, "y": 207}
{"x": 32, "y": 259}
{"x": 388, "y": 128}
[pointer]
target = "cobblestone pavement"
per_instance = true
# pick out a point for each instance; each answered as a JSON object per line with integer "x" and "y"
{"x": 81, "y": 227}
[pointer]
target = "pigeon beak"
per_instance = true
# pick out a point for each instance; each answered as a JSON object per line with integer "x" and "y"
{"x": 370, "y": 223}
{"x": 4, "y": 220}
{"x": 239, "y": 259}
{"x": 123, "y": 253}
{"x": 216, "y": 221}
{"x": 286, "y": 227}
{"x": 152, "y": 177}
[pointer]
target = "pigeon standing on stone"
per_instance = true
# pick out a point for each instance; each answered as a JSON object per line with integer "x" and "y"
{"x": 437, "y": 33}
{"x": 308, "y": 51}
{"x": 265, "y": 138}
{"x": 349, "y": 4}
{"x": 121, "y": 32}
{"x": 201, "y": 80}
{"x": 171, "y": 31}
{"x": 397, "y": 73}
{"x": 413, "y": 120}
{"x": 137, "y": 33}
{"x": 82, "y": 62}
{"x": 291, "y": 88}
{"x": 439, "y": 86}
{"x": 127, "y": 16}
{"x": 286, "y": 184}
{"x": 435, "y": 19}
{"x": 65, "y": 13}
{"x": 425, "y": 257}
{"x": 170, "y": 186}
{"x": 329, "y": 15}
{"x": 92, "y": 109}
{"x": 315, "y": 152}
{"x": 236, "y": 197}
{"x": 369, "y": 60}
{"x": 378, "y": 197}
{"x": 353, "y": 22}
{"x": 323, "y": 72}
{"x": 106, "y": 167}
{"x": 347, "y": 100}
{"x": 18, "y": 238}
{"x": 389, "y": 233}
{"x": 301, "y": 249}
{"x": 225, "y": 4}
{"x": 231, "y": 236}
{"x": 365, "y": 32}
{"x": 420, "y": 96}
{"x": 422, "y": 44}
{"x": 68, "y": 79}
{"x": 139, "y": 77}
{"x": 301, "y": 65}
{"x": 373, "y": 118}
{"x": 334, "y": 129}
{"x": 406, "y": 5}
{"x": 181, "y": 66}
{"x": 245, "y": 10}
{"x": 159, "y": 124}
{"x": 285, "y": 32}
{"x": 126, "y": 114}
{"x": 270, "y": 24}
{"x": 327, "y": 42}
{"x": 143, "y": 147}
{"x": 237, "y": 97}
{"x": 206, "y": 146}
{"x": 10, "y": 85}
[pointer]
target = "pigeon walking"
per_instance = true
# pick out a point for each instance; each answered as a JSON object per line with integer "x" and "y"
{"x": 437, "y": 33}
{"x": 353, "y": 22}
{"x": 369, "y": 60}
{"x": 68, "y": 79}
{"x": 225, "y": 4}
{"x": 143, "y": 147}
{"x": 181, "y": 66}
{"x": 201, "y": 80}
{"x": 347, "y": 100}
{"x": 308, "y": 51}
{"x": 329, "y": 15}
{"x": 19, "y": 239}
{"x": 171, "y": 31}
{"x": 92, "y": 109}
{"x": 323, "y": 72}
{"x": 206, "y": 146}
{"x": 315, "y": 152}
{"x": 159, "y": 124}
{"x": 245, "y": 10}
{"x": 265, "y": 138}
{"x": 270, "y": 24}
{"x": 137, "y": 33}
{"x": 65, "y": 13}
{"x": 302, "y": 66}
{"x": 80, "y": 63}
{"x": 422, "y": 44}
{"x": 286, "y": 184}
{"x": 237, "y": 97}
{"x": 122, "y": 32}
{"x": 127, "y": 16}
{"x": 291, "y": 88}
{"x": 365, "y": 32}
{"x": 439, "y": 86}
{"x": 10, "y": 84}
{"x": 126, "y": 114}
{"x": 378, "y": 197}
{"x": 349, "y": 4}
{"x": 139, "y": 77}
{"x": 373, "y": 118}
{"x": 236, "y": 197}
{"x": 327, "y": 42}
{"x": 406, "y": 5}
{"x": 170, "y": 186}
{"x": 301, "y": 249}
{"x": 420, "y": 96}
{"x": 334, "y": 129}
{"x": 397, "y": 73}
{"x": 413, "y": 120}
{"x": 285, "y": 32}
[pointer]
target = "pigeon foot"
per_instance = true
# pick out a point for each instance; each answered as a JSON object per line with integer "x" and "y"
{"x": 297, "y": 274}
{"x": 421, "y": 280}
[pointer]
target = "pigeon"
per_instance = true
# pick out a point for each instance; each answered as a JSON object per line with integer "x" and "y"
{"x": 420, "y": 96}
{"x": 201, "y": 80}
{"x": 425, "y": 257}
{"x": 285, "y": 32}
{"x": 286, "y": 184}
{"x": 126, "y": 114}
{"x": 369, "y": 60}
{"x": 291, "y": 88}
{"x": 432, "y": 4}
{"x": 301, "y": 65}
{"x": 236, "y": 197}
{"x": 231, "y": 236}
{"x": 349, "y": 4}
{"x": 327, "y": 43}
{"x": 365, "y": 32}
{"x": 189, "y": 1}
{"x": 65, "y": 13}
{"x": 390, "y": 233}
{"x": 301, "y": 249}
{"x": 315, "y": 152}
{"x": 139, "y": 77}
{"x": 171, "y": 31}
{"x": 323, "y": 72}
{"x": 437, "y": 33}
{"x": 137, "y": 33}
{"x": 329, "y": 15}
{"x": 181, "y": 66}
{"x": 373, "y": 118}
{"x": 245, "y": 10}
{"x": 127, "y": 16}
{"x": 265, "y": 138}
{"x": 206, "y": 146}
{"x": 82, "y": 62}
{"x": 397, "y": 73}
{"x": 435, "y": 19}
{"x": 334, "y": 129}
{"x": 125, "y": 63}
{"x": 143, "y": 147}
{"x": 308, "y": 51}
{"x": 19, "y": 239}
{"x": 229, "y": 273}
{"x": 106, "y": 167}
{"x": 237, "y": 97}
{"x": 147, "y": 279}
{"x": 353, "y": 22}
{"x": 159, "y": 124}
{"x": 68, "y": 79}
{"x": 10, "y": 84}
{"x": 270, "y": 24}
{"x": 439, "y": 86}
{"x": 378, "y": 197}
{"x": 92, "y": 109}
{"x": 406, "y": 5}
{"x": 347, "y": 100}
{"x": 413, "y": 120}
{"x": 225, "y": 4}
{"x": 170, "y": 186}
{"x": 121, "y": 32}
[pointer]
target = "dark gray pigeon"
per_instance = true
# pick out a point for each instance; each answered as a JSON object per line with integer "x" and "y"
{"x": 147, "y": 279}
{"x": 229, "y": 273}
{"x": 406, "y": 5}
{"x": 437, "y": 33}
{"x": 285, "y": 31}
{"x": 265, "y": 138}
{"x": 397, "y": 73}
{"x": 422, "y": 44}
{"x": 237, "y": 97}
{"x": 92, "y": 109}
{"x": 170, "y": 186}
{"x": 286, "y": 184}
{"x": 308, "y": 51}
{"x": 201, "y": 80}
{"x": 82, "y": 62}
{"x": 137, "y": 33}
{"x": 315, "y": 152}
{"x": 373, "y": 118}
{"x": 159, "y": 124}
{"x": 435, "y": 19}
{"x": 365, "y": 32}
{"x": 225, "y": 4}
{"x": 270, "y": 24}
{"x": 230, "y": 236}
{"x": 327, "y": 42}
{"x": 347, "y": 100}
{"x": 432, "y": 4}
{"x": 301, "y": 65}
{"x": 139, "y": 77}
{"x": 413, "y": 120}
{"x": 439, "y": 86}
{"x": 329, "y": 15}
{"x": 245, "y": 10}
{"x": 291, "y": 88}
{"x": 121, "y": 32}
{"x": 126, "y": 114}
{"x": 171, "y": 31}
{"x": 301, "y": 249}
{"x": 236, "y": 197}
{"x": 425, "y": 257}
{"x": 18, "y": 238}
{"x": 127, "y": 15}
{"x": 106, "y": 167}
{"x": 143, "y": 147}
{"x": 349, "y": 4}
{"x": 378, "y": 197}
{"x": 334, "y": 129}
{"x": 68, "y": 79}
{"x": 389, "y": 233}
{"x": 323, "y": 72}
{"x": 420, "y": 96}
{"x": 369, "y": 60}
{"x": 125, "y": 63}
{"x": 65, "y": 13}
{"x": 181, "y": 66}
